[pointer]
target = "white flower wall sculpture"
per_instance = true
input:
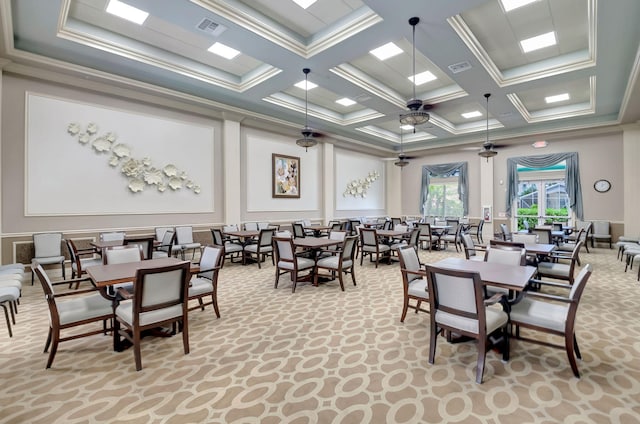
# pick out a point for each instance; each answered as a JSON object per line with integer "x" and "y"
{"x": 358, "y": 188}
{"x": 140, "y": 173}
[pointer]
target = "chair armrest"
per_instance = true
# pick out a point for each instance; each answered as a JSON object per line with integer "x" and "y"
{"x": 547, "y": 296}
{"x": 420, "y": 272}
{"x": 71, "y": 281}
{"x": 124, "y": 293}
{"x": 548, "y": 283}
{"x": 493, "y": 299}
{"x": 202, "y": 271}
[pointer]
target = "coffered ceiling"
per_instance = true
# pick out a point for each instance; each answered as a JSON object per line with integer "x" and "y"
{"x": 470, "y": 47}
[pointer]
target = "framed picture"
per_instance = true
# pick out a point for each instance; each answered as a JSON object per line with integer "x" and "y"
{"x": 487, "y": 215}
{"x": 286, "y": 176}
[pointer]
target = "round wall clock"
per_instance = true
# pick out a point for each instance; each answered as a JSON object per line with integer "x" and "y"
{"x": 602, "y": 186}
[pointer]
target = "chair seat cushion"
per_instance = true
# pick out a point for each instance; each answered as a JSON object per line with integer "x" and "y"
{"x": 333, "y": 262}
{"x": 86, "y": 263}
{"x": 156, "y": 254}
{"x": 11, "y": 283}
{"x": 253, "y": 248}
{"x": 81, "y": 308}
{"x": 303, "y": 263}
{"x": 381, "y": 248}
{"x": 495, "y": 319}
{"x": 543, "y": 314}
{"x": 397, "y": 246}
{"x": 49, "y": 260}
{"x": 418, "y": 288}
{"x": 16, "y": 266}
{"x": 187, "y": 246}
{"x": 125, "y": 312}
{"x": 199, "y": 285}
{"x": 230, "y": 247}
{"x": 9, "y": 294}
{"x": 553, "y": 268}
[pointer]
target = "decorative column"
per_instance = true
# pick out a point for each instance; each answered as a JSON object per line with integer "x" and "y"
{"x": 232, "y": 166}
{"x": 631, "y": 173}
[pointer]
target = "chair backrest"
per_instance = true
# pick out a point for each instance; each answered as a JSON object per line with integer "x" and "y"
{"x": 578, "y": 286}
{"x": 387, "y": 225}
{"x": 337, "y": 235}
{"x": 160, "y": 288}
{"x": 505, "y": 232}
{"x": 306, "y": 223}
{"x": 467, "y": 243}
{"x": 396, "y": 221}
{"x": 251, "y": 226}
{"x": 217, "y": 237}
{"x": 265, "y": 239}
{"x": 298, "y": 230}
{"x": 168, "y": 240}
{"x": 409, "y": 261}
{"x": 601, "y": 227}
{"x": 73, "y": 251}
{"x": 47, "y": 244}
{"x": 557, "y": 226}
{"x": 263, "y": 225}
{"x": 349, "y": 248}
{"x": 458, "y": 297}
{"x": 49, "y": 293}
{"x": 414, "y": 237}
{"x": 369, "y": 237}
{"x": 113, "y": 236}
{"x": 283, "y": 234}
{"x": 230, "y": 227}
{"x": 336, "y": 226}
{"x": 525, "y": 224}
{"x": 122, "y": 254}
{"x": 211, "y": 260}
{"x": 401, "y": 227}
{"x": 524, "y": 238}
{"x": 145, "y": 242}
{"x": 543, "y": 235}
{"x": 454, "y": 223}
{"x": 160, "y": 231}
{"x": 284, "y": 249}
{"x": 353, "y": 223}
{"x": 184, "y": 234}
{"x": 506, "y": 255}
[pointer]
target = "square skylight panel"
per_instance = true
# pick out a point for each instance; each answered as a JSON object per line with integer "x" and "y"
{"x": 509, "y": 5}
{"x": 538, "y": 42}
{"x": 223, "y": 50}
{"x": 557, "y": 98}
{"x": 306, "y": 85}
{"x": 469, "y": 115}
{"x": 422, "y": 77}
{"x": 304, "y": 3}
{"x": 124, "y": 11}
{"x": 386, "y": 51}
{"x": 345, "y": 101}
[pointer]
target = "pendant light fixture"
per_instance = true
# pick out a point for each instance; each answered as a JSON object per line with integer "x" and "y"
{"x": 307, "y": 139}
{"x": 414, "y": 116}
{"x": 402, "y": 158}
{"x": 487, "y": 148}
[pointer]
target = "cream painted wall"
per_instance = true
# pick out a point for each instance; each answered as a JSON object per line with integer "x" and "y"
{"x": 631, "y": 155}
{"x": 14, "y": 220}
{"x": 350, "y": 167}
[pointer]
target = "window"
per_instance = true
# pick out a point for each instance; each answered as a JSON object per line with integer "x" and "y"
{"x": 542, "y": 197}
{"x": 443, "y": 199}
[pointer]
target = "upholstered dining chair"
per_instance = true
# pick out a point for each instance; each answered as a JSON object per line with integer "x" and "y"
{"x": 251, "y": 226}
{"x": 184, "y": 241}
{"x": 298, "y": 230}
{"x": 81, "y": 259}
{"x": 472, "y": 251}
{"x": 205, "y": 282}
{"x": 262, "y": 249}
{"x": 232, "y": 249}
{"x": 160, "y": 297}
{"x": 340, "y": 261}
{"x": 72, "y": 308}
{"x": 425, "y": 235}
{"x": 414, "y": 281}
{"x": 119, "y": 255}
{"x": 552, "y": 314}
{"x": 8, "y": 297}
{"x": 165, "y": 250}
{"x": 514, "y": 254}
{"x": 48, "y": 250}
{"x": 457, "y": 305}
{"x": 290, "y": 262}
{"x": 543, "y": 235}
{"x": 112, "y": 236}
{"x": 370, "y": 245}
{"x": 145, "y": 242}
{"x": 160, "y": 231}
{"x": 601, "y": 233}
{"x": 561, "y": 265}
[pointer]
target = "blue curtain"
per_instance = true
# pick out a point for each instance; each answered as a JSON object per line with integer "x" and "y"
{"x": 571, "y": 178}
{"x": 446, "y": 170}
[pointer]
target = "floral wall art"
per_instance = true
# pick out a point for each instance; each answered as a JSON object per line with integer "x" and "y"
{"x": 114, "y": 161}
{"x": 359, "y": 187}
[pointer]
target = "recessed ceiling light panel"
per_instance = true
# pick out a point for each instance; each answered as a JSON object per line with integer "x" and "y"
{"x": 304, "y": 3}
{"x": 223, "y": 50}
{"x": 509, "y": 5}
{"x": 306, "y": 85}
{"x": 422, "y": 78}
{"x": 386, "y": 51}
{"x": 406, "y": 127}
{"x": 124, "y": 11}
{"x": 538, "y": 42}
{"x": 345, "y": 101}
{"x": 557, "y": 98}
{"x": 469, "y": 115}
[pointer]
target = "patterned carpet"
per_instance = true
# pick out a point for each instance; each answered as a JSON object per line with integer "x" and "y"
{"x": 325, "y": 356}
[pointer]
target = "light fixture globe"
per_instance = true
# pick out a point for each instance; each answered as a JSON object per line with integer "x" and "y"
{"x": 401, "y": 162}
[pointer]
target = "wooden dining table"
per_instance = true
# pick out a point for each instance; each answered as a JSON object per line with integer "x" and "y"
{"x": 510, "y": 277}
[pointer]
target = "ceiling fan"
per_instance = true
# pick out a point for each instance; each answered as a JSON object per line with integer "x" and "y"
{"x": 488, "y": 150}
